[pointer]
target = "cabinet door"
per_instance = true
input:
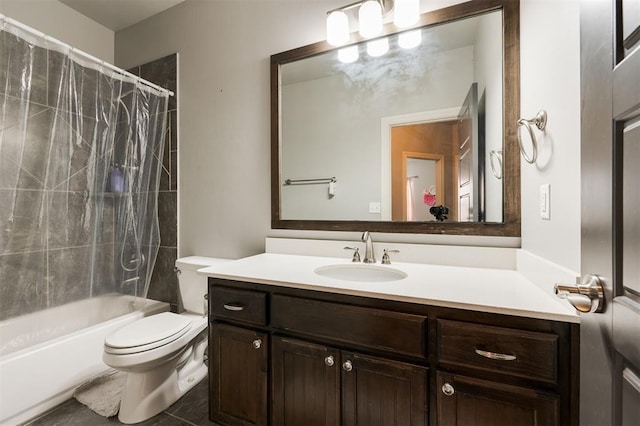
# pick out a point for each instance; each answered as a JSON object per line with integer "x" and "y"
{"x": 378, "y": 391}
{"x": 238, "y": 380}
{"x": 473, "y": 402}
{"x": 306, "y": 383}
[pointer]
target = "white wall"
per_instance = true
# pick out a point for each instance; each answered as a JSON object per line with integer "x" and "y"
{"x": 63, "y": 23}
{"x": 488, "y": 58}
{"x": 224, "y": 46}
{"x": 339, "y": 134}
{"x": 224, "y": 162}
{"x": 550, "y": 80}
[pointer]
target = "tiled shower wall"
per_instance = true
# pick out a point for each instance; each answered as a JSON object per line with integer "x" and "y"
{"x": 47, "y": 218}
{"x": 164, "y": 282}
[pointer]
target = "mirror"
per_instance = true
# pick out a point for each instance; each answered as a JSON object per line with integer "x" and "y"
{"x": 407, "y": 140}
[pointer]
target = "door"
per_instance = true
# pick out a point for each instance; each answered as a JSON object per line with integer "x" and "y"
{"x": 238, "y": 383}
{"x": 610, "y": 83}
{"x": 474, "y": 402}
{"x": 378, "y": 391}
{"x": 306, "y": 383}
{"x": 470, "y": 160}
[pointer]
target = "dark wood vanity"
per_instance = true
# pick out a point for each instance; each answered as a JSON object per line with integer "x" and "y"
{"x": 288, "y": 356}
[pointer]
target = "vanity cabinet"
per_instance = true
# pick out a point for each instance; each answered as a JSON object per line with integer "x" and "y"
{"x": 238, "y": 357}
{"x": 319, "y": 385}
{"x": 471, "y": 401}
{"x": 516, "y": 355}
{"x": 335, "y": 359}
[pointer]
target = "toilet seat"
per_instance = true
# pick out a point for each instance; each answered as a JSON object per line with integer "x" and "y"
{"x": 140, "y": 357}
{"x": 147, "y": 334}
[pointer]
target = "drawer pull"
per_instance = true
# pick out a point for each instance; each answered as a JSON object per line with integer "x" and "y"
{"x": 495, "y": 355}
{"x": 448, "y": 389}
{"x": 236, "y": 307}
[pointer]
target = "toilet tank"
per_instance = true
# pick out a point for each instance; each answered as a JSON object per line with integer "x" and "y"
{"x": 193, "y": 287}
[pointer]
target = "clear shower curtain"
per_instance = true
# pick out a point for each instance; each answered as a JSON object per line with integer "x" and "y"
{"x": 81, "y": 146}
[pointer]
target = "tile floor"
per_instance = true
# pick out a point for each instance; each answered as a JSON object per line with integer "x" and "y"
{"x": 191, "y": 410}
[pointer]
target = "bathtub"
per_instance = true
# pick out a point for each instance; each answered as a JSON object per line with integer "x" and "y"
{"x": 46, "y": 355}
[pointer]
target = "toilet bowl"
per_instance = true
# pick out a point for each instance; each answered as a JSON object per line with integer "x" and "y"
{"x": 164, "y": 354}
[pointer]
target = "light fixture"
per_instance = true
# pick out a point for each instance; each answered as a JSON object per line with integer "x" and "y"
{"x": 337, "y": 28}
{"x": 406, "y": 13}
{"x": 378, "y": 47}
{"x": 410, "y": 39}
{"x": 370, "y": 14}
{"x": 370, "y": 17}
{"x": 348, "y": 54}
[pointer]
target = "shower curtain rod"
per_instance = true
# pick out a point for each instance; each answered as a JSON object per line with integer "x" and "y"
{"x": 47, "y": 38}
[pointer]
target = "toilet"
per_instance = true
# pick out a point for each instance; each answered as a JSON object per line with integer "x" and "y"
{"x": 163, "y": 354}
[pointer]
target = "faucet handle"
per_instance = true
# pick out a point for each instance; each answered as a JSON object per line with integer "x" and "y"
{"x": 356, "y": 255}
{"x": 385, "y": 256}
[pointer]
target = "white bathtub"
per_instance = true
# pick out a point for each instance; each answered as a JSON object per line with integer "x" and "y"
{"x": 44, "y": 356}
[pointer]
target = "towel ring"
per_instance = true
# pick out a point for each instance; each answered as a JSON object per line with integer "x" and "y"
{"x": 496, "y": 156}
{"x": 540, "y": 121}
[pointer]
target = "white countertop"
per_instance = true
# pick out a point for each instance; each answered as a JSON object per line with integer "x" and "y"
{"x": 480, "y": 289}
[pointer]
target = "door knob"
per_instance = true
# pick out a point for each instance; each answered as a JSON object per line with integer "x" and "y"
{"x": 588, "y": 296}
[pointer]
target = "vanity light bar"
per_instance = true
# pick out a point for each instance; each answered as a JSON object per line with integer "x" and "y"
{"x": 370, "y": 13}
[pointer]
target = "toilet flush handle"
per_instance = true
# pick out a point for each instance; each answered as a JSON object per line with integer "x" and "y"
{"x": 206, "y": 306}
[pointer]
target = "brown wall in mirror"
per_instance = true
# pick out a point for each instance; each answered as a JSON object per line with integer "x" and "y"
{"x": 432, "y": 139}
{"x": 510, "y": 226}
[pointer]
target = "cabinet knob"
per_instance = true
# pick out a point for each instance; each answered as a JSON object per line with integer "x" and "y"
{"x": 347, "y": 366}
{"x": 257, "y": 343}
{"x": 448, "y": 389}
{"x": 328, "y": 361}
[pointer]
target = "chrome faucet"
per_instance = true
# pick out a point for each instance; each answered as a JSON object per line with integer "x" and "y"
{"x": 369, "y": 255}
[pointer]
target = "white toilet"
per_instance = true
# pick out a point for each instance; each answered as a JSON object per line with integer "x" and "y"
{"x": 163, "y": 354}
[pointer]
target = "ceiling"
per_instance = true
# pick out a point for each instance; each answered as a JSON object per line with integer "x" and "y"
{"x": 119, "y": 14}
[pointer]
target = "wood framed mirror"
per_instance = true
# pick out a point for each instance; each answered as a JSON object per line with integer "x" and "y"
{"x": 333, "y": 126}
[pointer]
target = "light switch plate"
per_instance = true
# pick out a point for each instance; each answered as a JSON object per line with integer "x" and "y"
{"x": 545, "y": 201}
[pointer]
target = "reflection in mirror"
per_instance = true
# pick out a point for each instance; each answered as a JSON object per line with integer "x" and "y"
{"x": 358, "y": 120}
{"x": 363, "y": 116}
{"x": 420, "y": 171}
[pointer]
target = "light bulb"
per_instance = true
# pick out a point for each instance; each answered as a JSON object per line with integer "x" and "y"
{"x": 406, "y": 13}
{"x": 370, "y": 19}
{"x": 410, "y": 39}
{"x": 348, "y": 54}
{"x": 337, "y": 28}
{"x": 378, "y": 47}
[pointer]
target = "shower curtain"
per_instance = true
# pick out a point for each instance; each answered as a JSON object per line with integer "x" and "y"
{"x": 81, "y": 146}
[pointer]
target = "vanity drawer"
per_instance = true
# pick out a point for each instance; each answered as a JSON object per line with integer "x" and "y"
{"x": 240, "y": 305}
{"x": 377, "y": 328}
{"x": 527, "y": 354}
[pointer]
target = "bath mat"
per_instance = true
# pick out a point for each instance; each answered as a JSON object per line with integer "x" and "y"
{"x": 102, "y": 394}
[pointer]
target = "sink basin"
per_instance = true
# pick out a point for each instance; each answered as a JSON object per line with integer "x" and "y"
{"x": 360, "y": 272}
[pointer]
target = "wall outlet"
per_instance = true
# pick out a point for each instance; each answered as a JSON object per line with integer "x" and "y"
{"x": 545, "y": 201}
{"x": 374, "y": 207}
